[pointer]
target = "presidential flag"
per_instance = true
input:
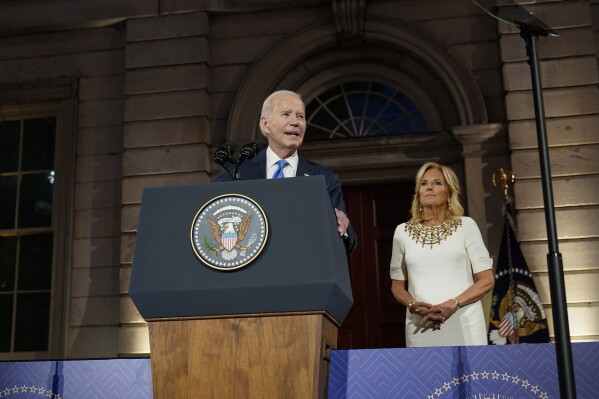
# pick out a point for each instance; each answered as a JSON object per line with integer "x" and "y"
{"x": 517, "y": 314}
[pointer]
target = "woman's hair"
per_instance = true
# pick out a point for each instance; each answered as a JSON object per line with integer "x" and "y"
{"x": 267, "y": 106}
{"x": 455, "y": 209}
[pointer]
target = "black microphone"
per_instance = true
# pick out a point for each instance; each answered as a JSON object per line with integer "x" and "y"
{"x": 223, "y": 154}
{"x": 248, "y": 151}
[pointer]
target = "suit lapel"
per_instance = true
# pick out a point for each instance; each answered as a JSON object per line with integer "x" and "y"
{"x": 258, "y": 171}
{"x": 303, "y": 168}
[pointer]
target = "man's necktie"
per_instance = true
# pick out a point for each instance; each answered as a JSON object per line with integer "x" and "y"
{"x": 279, "y": 172}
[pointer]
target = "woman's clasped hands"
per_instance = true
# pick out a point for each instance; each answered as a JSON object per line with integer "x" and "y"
{"x": 434, "y": 315}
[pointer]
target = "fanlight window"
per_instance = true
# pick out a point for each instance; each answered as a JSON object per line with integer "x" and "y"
{"x": 362, "y": 109}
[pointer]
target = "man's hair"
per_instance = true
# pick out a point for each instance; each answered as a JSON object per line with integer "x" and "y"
{"x": 267, "y": 106}
{"x": 455, "y": 210}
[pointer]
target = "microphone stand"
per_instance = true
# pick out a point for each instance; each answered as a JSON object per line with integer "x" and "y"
{"x": 554, "y": 258}
{"x": 246, "y": 152}
{"x": 531, "y": 28}
{"x": 234, "y": 176}
{"x": 236, "y": 172}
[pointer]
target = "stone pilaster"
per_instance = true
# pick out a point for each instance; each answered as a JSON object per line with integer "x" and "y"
{"x": 484, "y": 149}
{"x": 166, "y": 133}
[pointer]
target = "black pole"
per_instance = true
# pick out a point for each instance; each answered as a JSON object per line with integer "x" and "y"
{"x": 561, "y": 328}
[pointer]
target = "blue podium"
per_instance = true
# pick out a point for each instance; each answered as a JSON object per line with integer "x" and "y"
{"x": 244, "y": 285}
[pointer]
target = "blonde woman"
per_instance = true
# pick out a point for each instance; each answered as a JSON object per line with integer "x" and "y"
{"x": 440, "y": 267}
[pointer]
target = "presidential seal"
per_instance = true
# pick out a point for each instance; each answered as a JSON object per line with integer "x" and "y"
{"x": 229, "y": 232}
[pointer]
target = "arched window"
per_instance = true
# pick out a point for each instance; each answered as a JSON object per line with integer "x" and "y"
{"x": 358, "y": 109}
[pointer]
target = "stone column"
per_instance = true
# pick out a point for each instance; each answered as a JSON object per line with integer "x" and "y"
{"x": 484, "y": 149}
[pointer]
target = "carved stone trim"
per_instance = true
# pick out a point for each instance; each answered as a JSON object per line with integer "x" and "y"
{"x": 483, "y": 138}
{"x": 382, "y": 158}
{"x": 349, "y": 18}
{"x": 293, "y": 70}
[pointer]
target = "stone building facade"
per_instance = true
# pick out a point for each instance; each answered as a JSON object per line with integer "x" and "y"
{"x": 144, "y": 91}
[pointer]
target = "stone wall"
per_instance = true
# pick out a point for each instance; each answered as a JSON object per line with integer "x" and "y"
{"x": 156, "y": 82}
{"x": 568, "y": 66}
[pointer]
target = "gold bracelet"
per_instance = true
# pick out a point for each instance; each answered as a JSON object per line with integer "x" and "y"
{"x": 457, "y": 303}
{"x": 410, "y": 305}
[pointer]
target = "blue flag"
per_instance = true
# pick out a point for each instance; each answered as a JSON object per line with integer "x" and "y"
{"x": 517, "y": 314}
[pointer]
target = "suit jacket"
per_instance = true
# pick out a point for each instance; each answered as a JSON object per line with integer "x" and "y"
{"x": 255, "y": 168}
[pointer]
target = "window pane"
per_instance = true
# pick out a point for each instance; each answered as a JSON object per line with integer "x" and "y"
{"x": 33, "y": 312}
{"x": 8, "y": 261}
{"x": 355, "y": 109}
{"x": 357, "y": 104}
{"x": 38, "y": 144}
{"x": 339, "y": 108}
{"x": 35, "y": 207}
{"x": 8, "y": 201}
{"x": 5, "y": 321}
{"x": 26, "y": 260}
{"x": 35, "y": 262}
{"x": 401, "y": 126}
{"x": 9, "y": 146}
{"x": 376, "y": 104}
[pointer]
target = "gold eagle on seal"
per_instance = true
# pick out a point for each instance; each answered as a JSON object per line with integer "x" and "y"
{"x": 228, "y": 230}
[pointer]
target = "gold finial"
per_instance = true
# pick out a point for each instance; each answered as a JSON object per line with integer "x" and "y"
{"x": 505, "y": 178}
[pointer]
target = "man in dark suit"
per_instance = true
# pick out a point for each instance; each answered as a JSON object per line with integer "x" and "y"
{"x": 283, "y": 123}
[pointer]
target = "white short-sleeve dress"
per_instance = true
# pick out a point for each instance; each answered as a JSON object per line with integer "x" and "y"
{"x": 437, "y": 273}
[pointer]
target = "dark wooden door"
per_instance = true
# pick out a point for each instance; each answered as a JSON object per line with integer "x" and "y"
{"x": 376, "y": 320}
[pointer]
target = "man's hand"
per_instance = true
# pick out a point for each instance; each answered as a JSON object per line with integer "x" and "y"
{"x": 342, "y": 222}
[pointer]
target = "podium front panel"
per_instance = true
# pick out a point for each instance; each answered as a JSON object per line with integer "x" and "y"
{"x": 302, "y": 267}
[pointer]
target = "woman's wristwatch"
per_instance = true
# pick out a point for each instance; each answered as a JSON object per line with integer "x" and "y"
{"x": 457, "y": 303}
{"x": 411, "y": 305}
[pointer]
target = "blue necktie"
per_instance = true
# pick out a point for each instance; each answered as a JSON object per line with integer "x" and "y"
{"x": 279, "y": 172}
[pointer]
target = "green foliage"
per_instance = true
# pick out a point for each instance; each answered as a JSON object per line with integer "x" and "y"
{"x": 208, "y": 245}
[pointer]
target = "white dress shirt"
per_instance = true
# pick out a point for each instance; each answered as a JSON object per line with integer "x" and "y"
{"x": 271, "y": 164}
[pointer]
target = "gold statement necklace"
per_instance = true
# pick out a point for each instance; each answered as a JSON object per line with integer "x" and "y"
{"x": 431, "y": 235}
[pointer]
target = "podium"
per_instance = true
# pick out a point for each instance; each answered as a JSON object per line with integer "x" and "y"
{"x": 247, "y": 317}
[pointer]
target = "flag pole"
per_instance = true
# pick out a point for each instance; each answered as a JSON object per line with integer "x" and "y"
{"x": 504, "y": 178}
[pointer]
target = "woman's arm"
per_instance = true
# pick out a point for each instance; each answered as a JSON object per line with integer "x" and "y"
{"x": 484, "y": 282}
{"x": 401, "y": 294}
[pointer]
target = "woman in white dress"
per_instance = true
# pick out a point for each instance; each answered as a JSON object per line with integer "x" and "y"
{"x": 440, "y": 267}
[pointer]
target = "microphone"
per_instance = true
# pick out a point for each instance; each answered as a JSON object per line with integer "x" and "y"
{"x": 223, "y": 154}
{"x": 248, "y": 151}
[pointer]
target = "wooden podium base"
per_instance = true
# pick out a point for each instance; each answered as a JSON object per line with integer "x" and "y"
{"x": 263, "y": 356}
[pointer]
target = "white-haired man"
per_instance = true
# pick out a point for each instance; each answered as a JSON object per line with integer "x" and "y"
{"x": 283, "y": 123}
